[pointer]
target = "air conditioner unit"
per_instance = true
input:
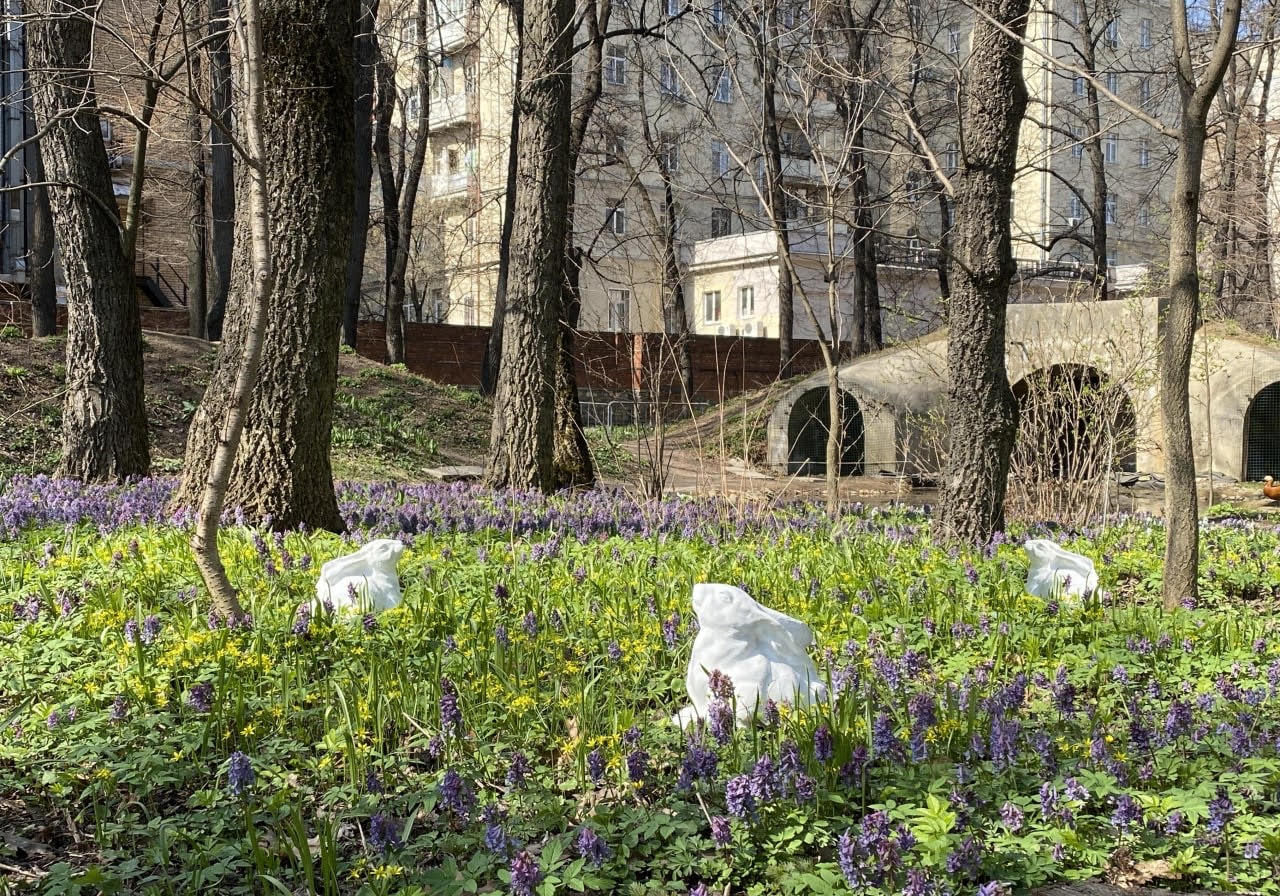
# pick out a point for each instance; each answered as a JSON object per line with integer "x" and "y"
{"x": 748, "y": 329}
{"x": 722, "y": 330}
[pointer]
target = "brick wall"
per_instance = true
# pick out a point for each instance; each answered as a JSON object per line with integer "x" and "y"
{"x": 165, "y": 320}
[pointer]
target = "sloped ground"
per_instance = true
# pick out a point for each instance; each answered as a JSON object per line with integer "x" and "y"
{"x": 389, "y": 423}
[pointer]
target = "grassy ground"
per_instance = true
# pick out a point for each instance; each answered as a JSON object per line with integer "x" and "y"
{"x": 389, "y": 423}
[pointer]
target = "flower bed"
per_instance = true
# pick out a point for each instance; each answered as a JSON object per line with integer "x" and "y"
{"x": 506, "y": 728}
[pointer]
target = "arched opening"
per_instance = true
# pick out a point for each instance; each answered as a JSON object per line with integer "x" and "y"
{"x": 1262, "y": 435}
{"x": 1074, "y": 423}
{"x": 807, "y": 435}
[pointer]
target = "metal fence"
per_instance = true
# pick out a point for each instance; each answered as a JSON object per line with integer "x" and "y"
{"x": 622, "y": 412}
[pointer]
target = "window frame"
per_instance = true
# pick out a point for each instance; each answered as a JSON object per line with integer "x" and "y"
{"x": 707, "y": 306}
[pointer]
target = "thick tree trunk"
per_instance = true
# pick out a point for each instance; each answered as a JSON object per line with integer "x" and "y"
{"x": 867, "y": 335}
{"x": 493, "y": 347}
{"x": 1179, "y": 318}
{"x": 222, "y": 187}
{"x": 41, "y": 279}
{"x": 104, "y": 421}
{"x": 198, "y": 230}
{"x": 981, "y": 410}
{"x": 366, "y": 57}
{"x": 521, "y": 453}
{"x": 282, "y": 469}
{"x": 573, "y": 465}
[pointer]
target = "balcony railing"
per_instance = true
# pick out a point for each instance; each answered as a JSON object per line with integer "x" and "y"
{"x": 445, "y": 185}
{"x": 447, "y": 111}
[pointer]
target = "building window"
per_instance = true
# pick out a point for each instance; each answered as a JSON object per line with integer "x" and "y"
{"x": 711, "y": 306}
{"x": 412, "y": 108}
{"x": 1112, "y": 36}
{"x": 1077, "y": 13}
{"x": 668, "y": 80}
{"x": 1077, "y": 146}
{"x": 1111, "y": 208}
{"x": 794, "y": 144}
{"x": 615, "y": 66}
{"x": 747, "y": 301}
{"x": 951, "y": 157}
{"x": 1074, "y": 210}
{"x": 1144, "y": 92}
{"x": 953, "y": 40}
{"x": 1113, "y": 82}
{"x": 619, "y": 310}
{"x": 673, "y": 8}
{"x": 1144, "y": 153}
{"x": 1144, "y": 214}
{"x": 717, "y": 13}
{"x": 1111, "y": 148}
{"x": 724, "y": 86}
{"x": 468, "y": 311}
{"x": 719, "y": 158}
{"x": 616, "y": 217}
{"x": 668, "y": 154}
{"x": 439, "y": 310}
{"x": 1144, "y": 34}
{"x": 1077, "y": 86}
{"x": 721, "y": 222}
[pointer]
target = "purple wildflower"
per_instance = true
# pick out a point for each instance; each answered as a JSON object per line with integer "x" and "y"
{"x": 450, "y": 714}
{"x": 1127, "y": 812}
{"x": 519, "y": 770}
{"x": 595, "y": 766}
{"x": 1012, "y": 816}
{"x": 131, "y": 631}
{"x": 1220, "y": 811}
{"x": 200, "y": 697}
{"x": 721, "y": 831}
{"x": 614, "y": 651}
{"x": 738, "y": 797}
{"x": 530, "y": 624}
{"x": 591, "y": 846}
{"x": 383, "y": 835}
{"x": 525, "y": 874}
{"x": 239, "y": 773}
{"x": 119, "y": 710}
{"x": 822, "y": 747}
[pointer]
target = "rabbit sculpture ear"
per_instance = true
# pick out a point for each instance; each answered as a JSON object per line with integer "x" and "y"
{"x": 369, "y": 572}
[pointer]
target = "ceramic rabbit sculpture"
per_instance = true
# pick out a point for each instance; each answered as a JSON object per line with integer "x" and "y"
{"x": 1056, "y": 572}
{"x": 762, "y": 651}
{"x": 365, "y": 581}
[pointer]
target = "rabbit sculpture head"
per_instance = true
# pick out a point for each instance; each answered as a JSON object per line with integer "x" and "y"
{"x": 762, "y": 651}
{"x": 1054, "y": 571}
{"x": 370, "y": 571}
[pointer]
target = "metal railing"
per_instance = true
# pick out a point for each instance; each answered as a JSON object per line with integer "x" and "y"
{"x": 165, "y": 280}
{"x": 623, "y": 412}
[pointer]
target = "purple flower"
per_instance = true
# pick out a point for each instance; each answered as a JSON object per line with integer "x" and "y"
{"x": 822, "y": 747}
{"x": 302, "y": 620}
{"x": 519, "y": 770}
{"x": 699, "y": 764}
{"x": 1220, "y": 811}
{"x": 738, "y": 798}
{"x": 595, "y": 766}
{"x": 500, "y": 635}
{"x": 370, "y": 622}
{"x": 884, "y": 739}
{"x": 525, "y": 874}
{"x": 771, "y": 717}
{"x": 671, "y": 629}
{"x": 1252, "y": 849}
{"x": 846, "y": 854}
{"x": 530, "y": 624}
{"x": 372, "y": 783}
{"x": 614, "y": 651}
{"x": 119, "y": 710}
{"x": 131, "y": 631}
{"x": 720, "y": 686}
{"x": 1012, "y": 816}
{"x": 53, "y": 721}
{"x": 721, "y": 720}
{"x": 455, "y": 795}
{"x": 637, "y": 765}
{"x": 1074, "y": 790}
{"x": 383, "y": 835}
{"x": 591, "y": 846}
{"x": 450, "y": 714}
{"x": 495, "y": 838}
{"x": 239, "y": 773}
{"x": 764, "y": 780}
{"x": 918, "y": 883}
{"x": 1127, "y": 812}
{"x": 721, "y": 831}
{"x": 200, "y": 697}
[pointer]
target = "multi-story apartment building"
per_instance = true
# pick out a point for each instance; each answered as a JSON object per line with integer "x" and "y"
{"x": 673, "y": 168}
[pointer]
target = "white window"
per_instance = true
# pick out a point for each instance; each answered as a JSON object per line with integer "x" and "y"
{"x": 412, "y": 108}
{"x": 724, "y": 86}
{"x": 1077, "y": 13}
{"x": 1077, "y": 87}
{"x": 668, "y": 80}
{"x": 1077, "y": 147}
{"x": 1144, "y": 153}
{"x": 719, "y": 158}
{"x": 951, "y": 157}
{"x": 1144, "y": 214}
{"x": 615, "y": 149}
{"x": 673, "y": 8}
{"x": 1111, "y": 208}
{"x": 1144, "y": 34}
{"x": 717, "y": 13}
{"x": 615, "y": 66}
{"x": 711, "y": 306}
{"x": 669, "y": 154}
{"x": 953, "y": 40}
{"x": 1111, "y": 148}
{"x": 1074, "y": 209}
{"x": 1112, "y": 36}
{"x": 468, "y": 311}
{"x": 747, "y": 301}
{"x": 439, "y": 310}
{"x": 1113, "y": 82}
{"x": 1144, "y": 92}
{"x": 616, "y": 217}
{"x": 619, "y": 310}
{"x": 721, "y": 222}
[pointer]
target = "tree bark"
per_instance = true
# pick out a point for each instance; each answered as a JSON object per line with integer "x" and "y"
{"x": 981, "y": 410}
{"x": 384, "y": 110}
{"x": 772, "y": 148}
{"x": 282, "y": 469}
{"x": 493, "y": 347}
{"x": 222, "y": 187}
{"x": 366, "y": 56}
{"x": 572, "y": 462}
{"x": 1179, "y": 313}
{"x": 104, "y": 421}
{"x": 198, "y": 230}
{"x": 521, "y": 453}
{"x": 41, "y": 281}
{"x": 675, "y": 316}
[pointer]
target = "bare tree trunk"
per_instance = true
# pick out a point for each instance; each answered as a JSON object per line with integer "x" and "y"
{"x": 521, "y": 453}
{"x": 772, "y": 147}
{"x": 222, "y": 188}
{"x": 104, "y": 421}
{"x": 675, "y": 316}
{"x": 573, "y": 465}
{"x": 282, "y": 470}
{"x": 1097, "y": 162}
{"x": 41, "y": 280}
{"x": 493, "y": 347}
{"x": 981, "y": 410}
{"x": 198, "y": 231}
{"x": 409, "y": 193}
{"x": 204, "y": 540}
{"x": 366, "y": 56}
{"x": 384, "y": 111}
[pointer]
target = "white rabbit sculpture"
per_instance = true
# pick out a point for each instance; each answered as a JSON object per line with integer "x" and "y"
{"x": 1056, "y": 572}
{"x": 762, "y": 651}
{"x": 365, "y": 581}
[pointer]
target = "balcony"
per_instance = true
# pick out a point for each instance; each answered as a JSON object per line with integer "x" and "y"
{"x": 448, "y": 36}
{"x": 449, "y": 111}
{"x": 445, "y": 186}
{"x": 798, "y": 167}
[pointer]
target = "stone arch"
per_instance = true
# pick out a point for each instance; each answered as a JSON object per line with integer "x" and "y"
{"x": 1261, "y": 455}
{"x": 1081, "y": 424}
{"x": 807, "y": 428}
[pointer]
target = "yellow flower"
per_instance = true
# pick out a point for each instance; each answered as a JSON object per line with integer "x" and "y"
{"x": 247, "y": 730}
{"x": 522, "y": 704}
